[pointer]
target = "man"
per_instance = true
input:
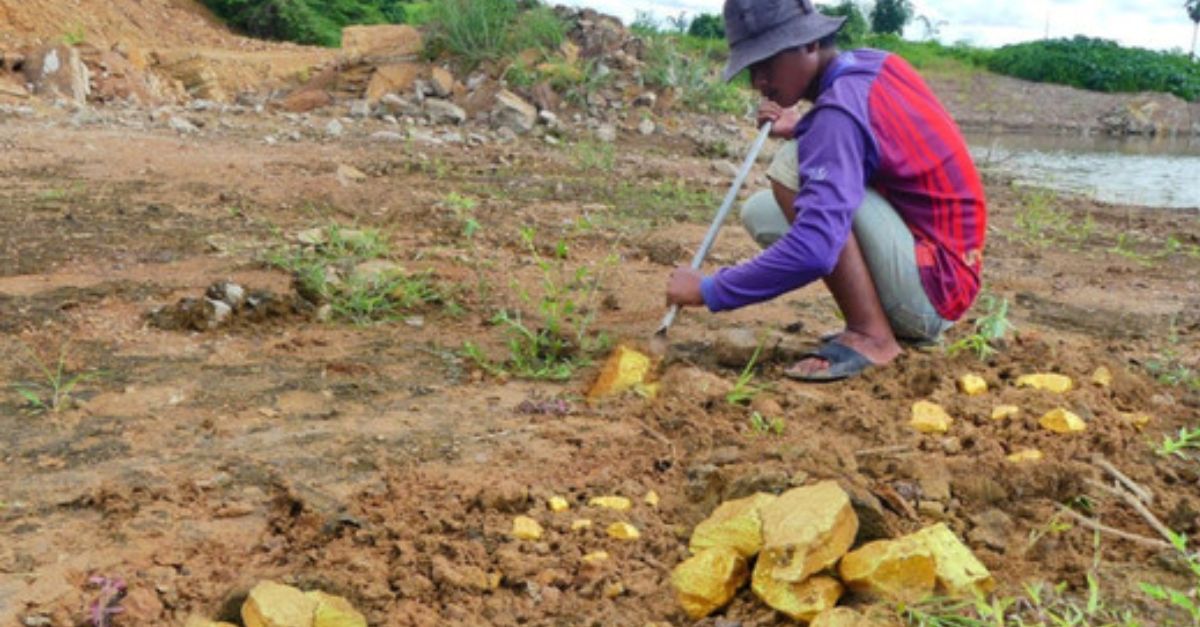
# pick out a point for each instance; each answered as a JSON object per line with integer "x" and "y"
{"x": 878, "y": 196}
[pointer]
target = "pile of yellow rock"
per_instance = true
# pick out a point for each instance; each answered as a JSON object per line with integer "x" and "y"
{"x": 802, "y": 540}
{"x": 273, "y": 604}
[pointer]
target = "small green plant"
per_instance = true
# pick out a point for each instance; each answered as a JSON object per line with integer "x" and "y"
{"x": 561, "y": 340}
{"x": 1039, "y": 220}
{"x": 744, "y": 390}
{"x": 1183, "y": 600}
{"x": 1124, "y": 248}
{"x": 53, "y": 392}
{"x": 989, "y": 330}
{"x": 595, "y": 156}
{"x": 1168, "y": 367}
{"x": 331, "y": 272}
{"x": 762, "y": 425}
{"x": 1187, "y": 439}
{"x": 75, "y": 36}
{"x": 474, "y": 31}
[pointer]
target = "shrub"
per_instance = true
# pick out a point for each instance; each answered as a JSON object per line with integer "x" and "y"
{"x": 317, "y": 22}
{"x": 855, "y": 26}
{"x": 476, "y": 30}
{"x": 1099, "y": 65}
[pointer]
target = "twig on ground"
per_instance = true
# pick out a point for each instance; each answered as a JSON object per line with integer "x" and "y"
{"x": 1096, "y": 525}
{"x": 1138, "y": 490}
{"x": 1138, "y": 506}
{"x": 898, "y": 449}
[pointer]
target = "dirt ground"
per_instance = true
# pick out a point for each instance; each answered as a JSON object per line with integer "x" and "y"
{"x": 376, "y": 462}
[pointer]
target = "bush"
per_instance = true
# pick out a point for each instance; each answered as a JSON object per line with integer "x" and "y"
{"x": 1099, "y": 65}
{"x": 855, "y": 27}
{"x": 692, "y": 66}
{"x": 476, "y": 30}
{"x": 708, "y": 26}
{"x": 317, "y": 22}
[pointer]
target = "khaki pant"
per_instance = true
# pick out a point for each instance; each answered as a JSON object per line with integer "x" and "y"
{"x": 886, "y": 242}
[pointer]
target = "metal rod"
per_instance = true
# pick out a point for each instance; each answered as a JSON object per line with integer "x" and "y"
{"x": 711, "y": 237}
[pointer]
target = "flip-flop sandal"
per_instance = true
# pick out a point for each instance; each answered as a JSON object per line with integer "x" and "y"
{"x": 907, "y": 341}
{"x": 844, "y": 362}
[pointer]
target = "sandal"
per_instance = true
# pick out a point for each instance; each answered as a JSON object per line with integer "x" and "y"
{"x": 844, "y": 362}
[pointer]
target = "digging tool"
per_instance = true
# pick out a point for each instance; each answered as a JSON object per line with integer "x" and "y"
{"x": 722, "y": 213}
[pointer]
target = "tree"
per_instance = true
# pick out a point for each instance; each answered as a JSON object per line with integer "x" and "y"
{"x": 1193, "y": 10}
{"x": 855, "y": 27}
{"x": 711, "y": 26}
{"x": 890, "y": 16}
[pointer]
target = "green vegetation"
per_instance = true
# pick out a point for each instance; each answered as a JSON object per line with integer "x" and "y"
{"x": 332, "y": 272}
{"x": 855, "y": 27}
{"x": 692, "y": 67}
{"x": 560, "y": 339}
{"x": 990, "y": 329}
{"x": 890, "y": 16}
{"x": 318, "y": 22}
{"x": 473, "y": 31}
{"x": 1188, "y": 439}
{"x": 744, "y": 390}
{"x": 762, "y": 425}
{"x": 53, "y": 392}
{"x": 1099, "y": 65}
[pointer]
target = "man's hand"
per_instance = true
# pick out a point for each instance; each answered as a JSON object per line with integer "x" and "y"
{"x": 683, "y": 288}
{"x": 784, "y": 120}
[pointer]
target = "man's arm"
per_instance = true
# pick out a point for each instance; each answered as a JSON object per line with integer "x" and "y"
{"x": 833, "y": 150}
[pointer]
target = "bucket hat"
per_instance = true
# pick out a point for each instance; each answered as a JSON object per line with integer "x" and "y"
{"x": 760, "y": 29}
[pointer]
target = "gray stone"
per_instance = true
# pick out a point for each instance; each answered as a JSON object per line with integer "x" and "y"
{"x": 388, "y": 137}
{"x": 228, "y": 292}
{"x": 606, "y": 133}
{"x": 400, "y": 106}
{"x": 646, "y": 99}
{"x": 360, "y": 109}
{"x": 513, "y": 113}
{"x": 444, "y": 112}
{"x": 375, "y": 270}
{"x": 183, "y": 126}
{"x": 334, "y": 128}
{"x": 646, "y": 127}
{"x": 218, "y": 312}
{"x": 934, "y": 480}
{"x": 735, "y": 347}
{"x": 992, "y": 529}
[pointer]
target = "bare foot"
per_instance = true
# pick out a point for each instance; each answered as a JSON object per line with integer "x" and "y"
{"x": 880, "y": 351}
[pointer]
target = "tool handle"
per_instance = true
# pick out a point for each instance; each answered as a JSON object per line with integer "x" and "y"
{"x": 731, "y": 196}
{"x": 711, "y": 237}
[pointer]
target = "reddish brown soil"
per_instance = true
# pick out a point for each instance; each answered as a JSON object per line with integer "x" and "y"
{"x": 377, "y": 463}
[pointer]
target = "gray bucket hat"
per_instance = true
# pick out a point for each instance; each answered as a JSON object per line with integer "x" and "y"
{"x": 760, "y": 29}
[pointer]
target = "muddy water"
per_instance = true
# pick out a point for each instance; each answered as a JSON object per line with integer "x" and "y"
{"x": 1148, "y": 172}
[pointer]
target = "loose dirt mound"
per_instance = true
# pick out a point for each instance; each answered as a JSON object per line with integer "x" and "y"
{"x": 154, "y": 23}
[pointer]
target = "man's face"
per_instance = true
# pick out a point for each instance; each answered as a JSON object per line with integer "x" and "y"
{"x": 788, "y": 76}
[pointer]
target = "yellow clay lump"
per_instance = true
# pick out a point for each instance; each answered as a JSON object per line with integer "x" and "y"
{"x": 897, "y": 570}
{"x": 972, "y": 385}
{"x": 623, "y": 531}
{"x": 736, "y": 524}
{"x": 706, "y": 581}
{"x": 801, "y": 601}
{"x": 1050, "y": 382}
{"x": 1003, "y": 412}
{"x": 626, "y": 369}
{"x": 1062, "y": 421}
{"x": 929, "y": 417}
{"x": 617, "y": 503}
{"x": 806, "y": 530}
{"x": 526, "y": 528}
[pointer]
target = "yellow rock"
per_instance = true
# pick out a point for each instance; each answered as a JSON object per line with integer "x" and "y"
{"x": 526, "y": 528}
{"x": 806, "y": 530}
{"x": 614, "y": 590}
{"x": 272, "y": 604}
{"x": 897, "y": 570}
{"x": 929, "y": 417}
{"x": 580, "y": 524}
{"x": 959, "y": 572}
{"x": 648, "y": 390}
{"x": 623, "y": 531}
{"x": 596, "y": 557}
{"x": 1062, "y": 421}
{"x": 625, "y": 369}
{"x": 651, "y": 499}
{"x": 1027, "y": 455}
{"x": 801, "y": 601}
{"x": 1138, "y": 419}
{"x": 1049, "y": 382}
{"x": 736, "y": 524}
{"x": 618, "y": 503}
{"x": 1102, "y": 377}
{"x": 707, "y": 580}
{"x": 558, "y": 504}
{"x": 334, "y": 611}
{"x": 1002, "y": 412}
{"x": 841, "y": 617}
{"x": 972, "y": 385}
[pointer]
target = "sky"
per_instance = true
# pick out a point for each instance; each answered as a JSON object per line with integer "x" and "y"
{"x": 1154, "y": 24}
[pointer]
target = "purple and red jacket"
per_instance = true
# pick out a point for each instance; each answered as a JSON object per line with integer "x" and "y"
{"x": 875, "y": 124}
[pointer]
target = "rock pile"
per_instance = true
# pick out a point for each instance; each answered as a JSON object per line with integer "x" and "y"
{"x": 800, "y": 543}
